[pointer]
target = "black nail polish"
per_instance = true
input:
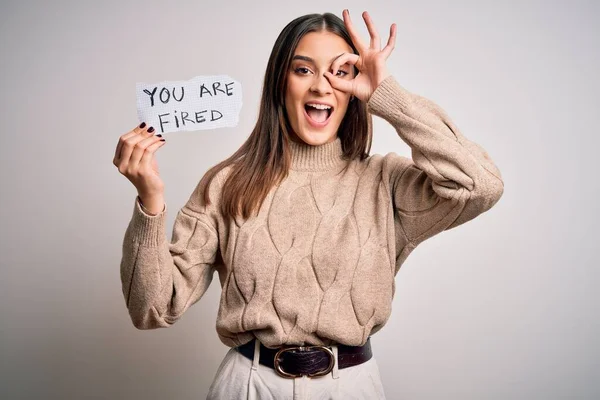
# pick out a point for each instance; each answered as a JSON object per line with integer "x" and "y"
{"x": 163, "y": 140}
{"x": 159, "y": 135}
{"x": 151, "y": 129}
{"x": 142, "y": 125}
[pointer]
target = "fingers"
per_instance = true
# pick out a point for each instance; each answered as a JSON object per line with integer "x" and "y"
{"x": 387, "y": 50}
{"x": 358, "y": 43}
{"x": 338, "y": 83}
{"x": 375, "y": 39}
{"x": 135, "y": 131}
{"x": 375, "y": 42}
{"x": 343, "y": 84}
{"x": 346, "y": 58}
{"x": 146, "y": 160}
{"x": 133, "y": 145}
{"x": 140, "y": 148}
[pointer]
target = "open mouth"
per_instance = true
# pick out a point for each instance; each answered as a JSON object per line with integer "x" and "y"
{"x": 318, "y": 114}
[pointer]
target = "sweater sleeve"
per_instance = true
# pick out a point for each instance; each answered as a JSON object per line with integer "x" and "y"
{"x": 162, "y": 279}
{"x": 450, "y": 179}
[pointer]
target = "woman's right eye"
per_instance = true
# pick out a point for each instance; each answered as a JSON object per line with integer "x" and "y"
{"x": 302, "y": 70}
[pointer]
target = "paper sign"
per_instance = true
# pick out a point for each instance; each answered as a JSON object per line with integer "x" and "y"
{"x": 203, "y": 102}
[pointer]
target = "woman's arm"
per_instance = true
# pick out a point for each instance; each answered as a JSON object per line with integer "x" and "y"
{"x": 161, "y": 280}
{"x": 450, "y": 179}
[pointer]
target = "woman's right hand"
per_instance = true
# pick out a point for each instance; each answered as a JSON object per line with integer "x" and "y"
{"x": 134, "y": 157}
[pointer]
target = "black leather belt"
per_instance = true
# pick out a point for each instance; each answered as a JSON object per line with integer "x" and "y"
{"x": 312, "y": 361}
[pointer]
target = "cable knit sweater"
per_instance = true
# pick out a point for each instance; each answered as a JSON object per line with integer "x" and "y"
{"x": 317, "y": 264}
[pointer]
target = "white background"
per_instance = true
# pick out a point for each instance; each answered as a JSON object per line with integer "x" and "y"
{"x": 504, "y": 307}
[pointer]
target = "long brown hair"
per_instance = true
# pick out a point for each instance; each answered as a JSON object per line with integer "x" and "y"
{"x": 264, "y": 159}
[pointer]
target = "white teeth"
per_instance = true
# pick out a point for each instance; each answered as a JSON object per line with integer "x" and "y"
{"x": 319, "y": 106}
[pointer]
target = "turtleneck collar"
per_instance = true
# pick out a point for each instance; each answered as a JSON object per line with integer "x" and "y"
{"x": 306, "y": 157}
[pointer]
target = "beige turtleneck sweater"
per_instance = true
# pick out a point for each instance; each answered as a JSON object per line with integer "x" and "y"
{"x": 317, "y": 265}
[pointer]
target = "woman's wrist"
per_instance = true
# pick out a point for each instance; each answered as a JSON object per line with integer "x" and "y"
{"x": 152, "y": 205}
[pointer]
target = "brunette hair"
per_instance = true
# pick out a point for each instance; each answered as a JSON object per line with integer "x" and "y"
{"x": 264, "y": 159}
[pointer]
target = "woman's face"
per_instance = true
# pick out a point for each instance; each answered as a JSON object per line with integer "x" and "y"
{"x": 306, "y": 86}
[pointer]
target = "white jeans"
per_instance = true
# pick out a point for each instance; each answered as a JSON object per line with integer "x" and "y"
{"x": 238, "y": 377}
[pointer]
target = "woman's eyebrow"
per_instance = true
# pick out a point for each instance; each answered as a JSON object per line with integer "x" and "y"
{"x": 305, "y": 58}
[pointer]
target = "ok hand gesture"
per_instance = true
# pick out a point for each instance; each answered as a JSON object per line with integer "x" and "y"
{"x": 370, "y": 61}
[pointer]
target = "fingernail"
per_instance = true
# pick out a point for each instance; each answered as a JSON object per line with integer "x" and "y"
{"x": 159, "y": 135}
{"x": 151, "y": 129}
{"x": 162, "y": 140}
{"x": 143, "y": 124}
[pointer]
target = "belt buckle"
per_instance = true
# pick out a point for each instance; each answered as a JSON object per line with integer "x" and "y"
{"x": 284, "y": 374}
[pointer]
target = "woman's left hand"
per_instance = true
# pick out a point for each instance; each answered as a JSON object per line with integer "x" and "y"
{"x": 370, "y": 61}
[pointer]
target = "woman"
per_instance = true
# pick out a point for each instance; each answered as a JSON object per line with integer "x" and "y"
{"x": 305, "y": 229}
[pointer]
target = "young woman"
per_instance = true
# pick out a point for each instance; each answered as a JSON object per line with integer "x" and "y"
{"x": 305, "y": 229}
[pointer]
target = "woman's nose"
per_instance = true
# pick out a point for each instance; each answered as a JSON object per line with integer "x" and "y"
{"x": 321, "y": 85}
